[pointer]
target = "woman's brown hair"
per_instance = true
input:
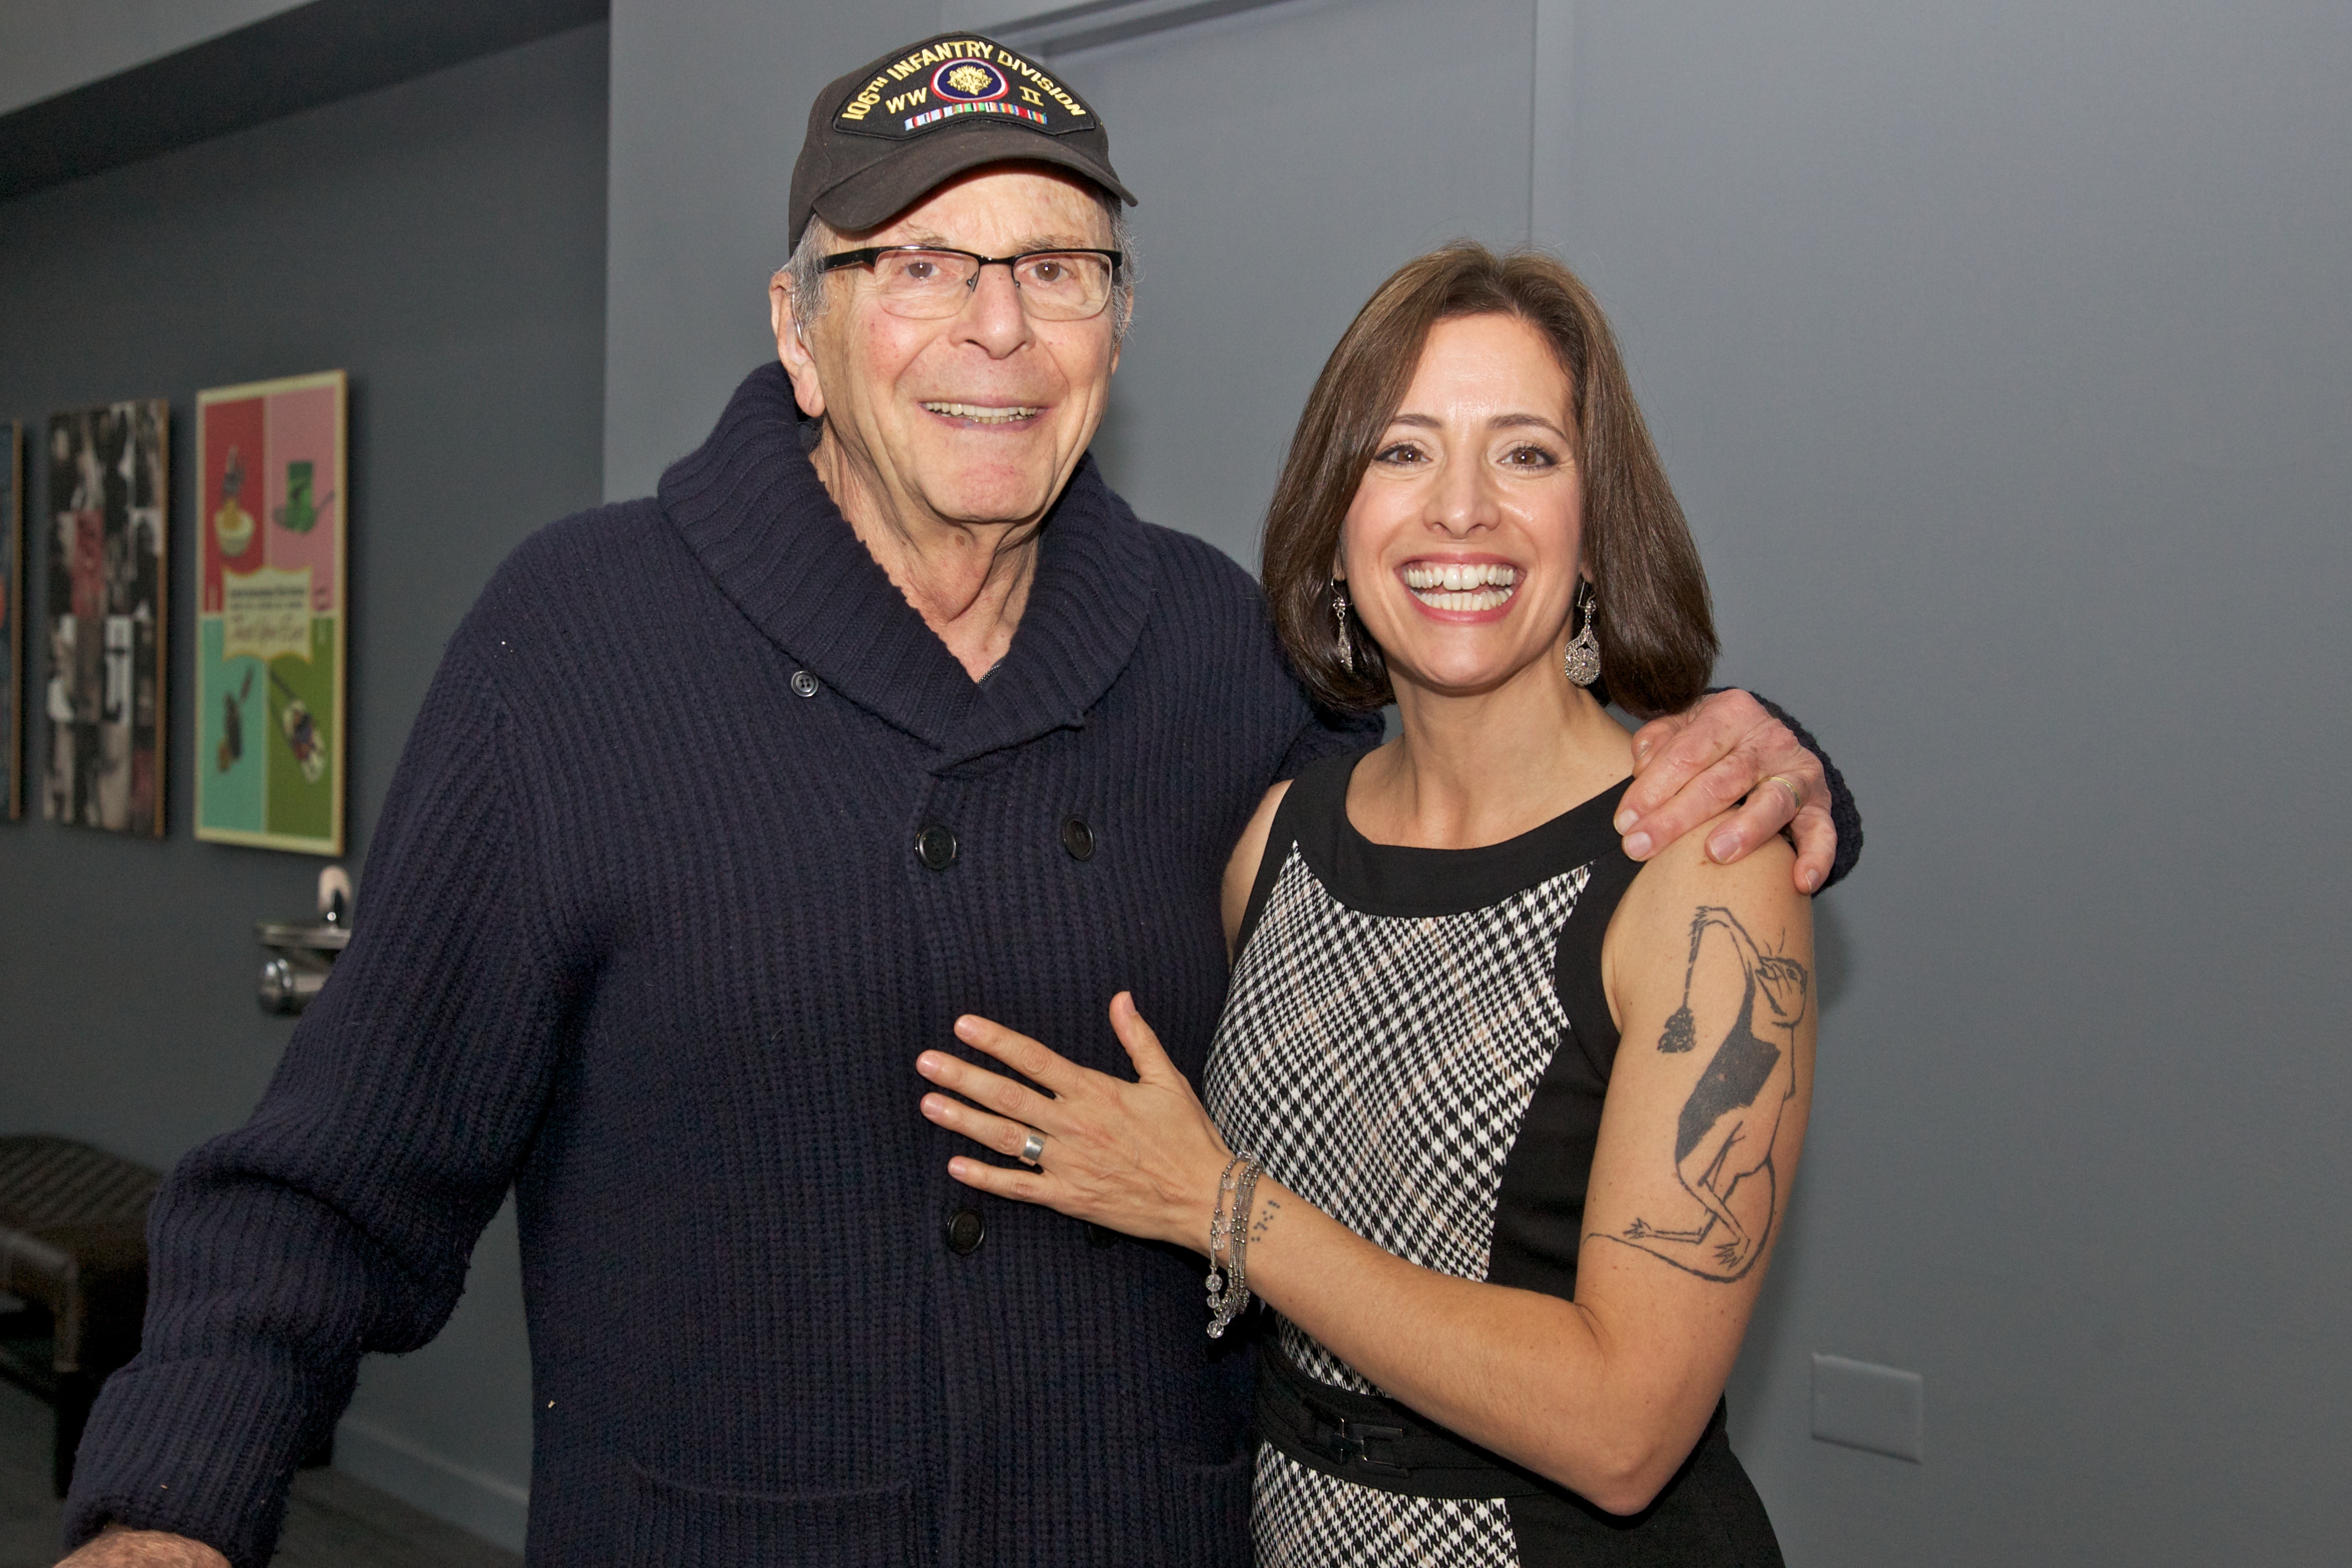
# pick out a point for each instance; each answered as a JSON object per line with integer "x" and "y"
{"x": 1656, "y": 627}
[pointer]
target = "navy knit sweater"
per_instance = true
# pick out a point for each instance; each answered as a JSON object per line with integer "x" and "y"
{"x": 653, "y": 930}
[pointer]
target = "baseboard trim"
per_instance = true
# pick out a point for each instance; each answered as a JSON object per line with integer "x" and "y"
{"x": 471, "y": 1500}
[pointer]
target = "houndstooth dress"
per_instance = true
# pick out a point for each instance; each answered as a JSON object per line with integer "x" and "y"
{"x": 1416, "y": 1042}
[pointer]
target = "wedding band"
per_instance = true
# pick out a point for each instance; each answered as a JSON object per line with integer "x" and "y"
{"x": 1033, "y": 1146}
{"x": 1796, "y": 795}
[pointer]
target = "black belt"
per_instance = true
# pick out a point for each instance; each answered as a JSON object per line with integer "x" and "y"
{"x": 1372, "y": 1440}
{"x": 1376, "y": 1442}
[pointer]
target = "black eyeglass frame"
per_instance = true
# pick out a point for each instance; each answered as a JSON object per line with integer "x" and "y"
{"x": 868, "y": 255}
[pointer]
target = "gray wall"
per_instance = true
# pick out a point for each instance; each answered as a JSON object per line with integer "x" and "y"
{"x": 443, "y": 241}
{"x": 2000, "y": 354}
{"x": 1259, "y": 242}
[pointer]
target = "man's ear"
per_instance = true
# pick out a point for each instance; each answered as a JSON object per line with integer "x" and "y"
{"x": 792, "y": 350}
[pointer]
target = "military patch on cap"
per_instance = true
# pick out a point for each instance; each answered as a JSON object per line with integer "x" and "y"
{"x": 881, "y": 135}
{"x": 947, "y": 78}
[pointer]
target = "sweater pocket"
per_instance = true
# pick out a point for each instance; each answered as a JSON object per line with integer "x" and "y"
{"x": 670, "y": 1524}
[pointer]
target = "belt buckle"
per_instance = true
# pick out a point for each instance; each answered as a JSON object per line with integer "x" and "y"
{"x": 1356, "y": 1438}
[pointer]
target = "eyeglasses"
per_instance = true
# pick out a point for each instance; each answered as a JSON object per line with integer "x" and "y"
{"x": 926, "y": 284}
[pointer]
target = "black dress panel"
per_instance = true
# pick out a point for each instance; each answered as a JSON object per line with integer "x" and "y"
{"x": 1418, "y": 1042}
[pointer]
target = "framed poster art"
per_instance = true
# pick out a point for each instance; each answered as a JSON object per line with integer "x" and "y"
{"x": 12, "y": 614}
{"x": 108, "y": 497}
{"x": 271, "y": 593}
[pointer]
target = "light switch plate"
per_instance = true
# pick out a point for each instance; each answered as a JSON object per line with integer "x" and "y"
{"x": 1881, "y": 1409}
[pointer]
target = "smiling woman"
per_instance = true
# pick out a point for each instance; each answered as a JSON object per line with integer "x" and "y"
{"x": 1656, "y": 631}
{"x": 1500, "y": 1123}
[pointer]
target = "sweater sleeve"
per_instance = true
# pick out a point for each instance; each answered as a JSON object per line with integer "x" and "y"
{"x": 341, "y": 1218}
{"x": 1326, "y": 733}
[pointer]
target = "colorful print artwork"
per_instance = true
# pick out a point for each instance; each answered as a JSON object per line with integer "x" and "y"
{"x": 108, "y": 491}
{"x": 270, "y": 614}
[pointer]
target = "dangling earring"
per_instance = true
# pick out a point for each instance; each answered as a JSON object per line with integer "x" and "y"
{"x": 1582, "y": 662}
{"x": 1346, "y": 644}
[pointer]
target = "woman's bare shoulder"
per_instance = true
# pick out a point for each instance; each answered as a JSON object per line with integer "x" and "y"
{"x": 1680, "y": 881}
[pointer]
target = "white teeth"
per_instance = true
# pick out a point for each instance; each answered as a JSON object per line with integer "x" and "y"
{"x": 1459, "y": 585}
{"x": 979, "y": 414}
{"x": 1486, "y": 599}
{"x": 1455, "y": 576}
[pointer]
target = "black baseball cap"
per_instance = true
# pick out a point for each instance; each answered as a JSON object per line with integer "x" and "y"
{"x": 886, "y": 132}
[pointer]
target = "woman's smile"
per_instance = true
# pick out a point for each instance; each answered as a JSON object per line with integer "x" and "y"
{"x": 1459, "y": 590}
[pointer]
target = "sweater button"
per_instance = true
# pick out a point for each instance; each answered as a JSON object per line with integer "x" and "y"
{"x": 966, "y": 1230}
{"x": 936, "y": 846}
{"x": 804, "y": 683}
{"x": 1078, "y": 838}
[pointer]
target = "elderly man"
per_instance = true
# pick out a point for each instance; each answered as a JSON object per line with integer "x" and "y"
{"x": 722, "y": 807}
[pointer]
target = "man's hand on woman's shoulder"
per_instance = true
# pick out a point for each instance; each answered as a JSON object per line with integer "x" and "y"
{"x": 115, "y": 1547}
{"x": 1690, "y": 767}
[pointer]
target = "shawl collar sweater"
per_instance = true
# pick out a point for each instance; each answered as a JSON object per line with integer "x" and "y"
{"x": 645, "y": 934}
{"x": 816, "y": 590}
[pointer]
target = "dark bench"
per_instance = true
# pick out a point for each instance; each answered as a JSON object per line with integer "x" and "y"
{"x": 73, "y": 1244}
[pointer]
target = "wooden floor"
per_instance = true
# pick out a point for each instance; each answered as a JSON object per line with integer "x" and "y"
{"x": 334, "y": 1522}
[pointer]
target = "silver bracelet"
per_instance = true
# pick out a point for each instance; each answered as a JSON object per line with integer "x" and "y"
{"x": 1216, "y": 1280}
{"x": 1244, "y": 1200}
{"x": 1228, "y": 1297}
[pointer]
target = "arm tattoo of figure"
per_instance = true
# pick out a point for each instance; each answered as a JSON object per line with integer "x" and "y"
{"x": 1724, "y": 1142}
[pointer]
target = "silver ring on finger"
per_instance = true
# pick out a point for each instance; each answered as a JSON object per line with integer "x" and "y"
{"x": 1033, "y": 1146}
